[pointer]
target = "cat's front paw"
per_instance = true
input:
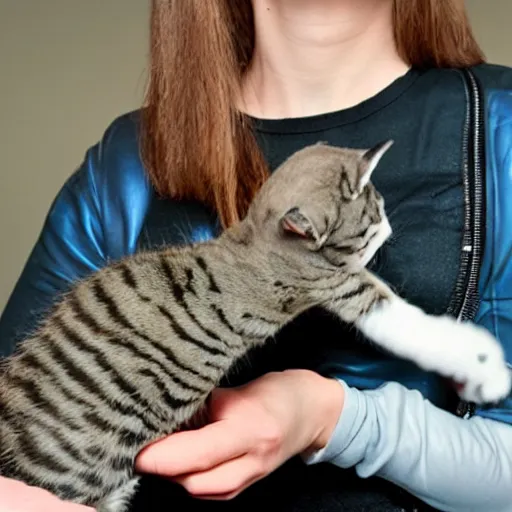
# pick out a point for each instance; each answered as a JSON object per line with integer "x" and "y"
{"x": 486, "y": 377}
{"x": 490, "y": 392}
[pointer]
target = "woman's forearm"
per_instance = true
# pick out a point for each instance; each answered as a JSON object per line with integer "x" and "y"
{"x": 452, "y": 464}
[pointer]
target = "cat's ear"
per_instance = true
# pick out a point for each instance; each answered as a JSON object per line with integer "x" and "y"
{"x": 295, "y": 222}
{"x": 369, "y": 161}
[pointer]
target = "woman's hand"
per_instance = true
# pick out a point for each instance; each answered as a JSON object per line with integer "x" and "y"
{"x": 17, "y": 497}
{"x": 254, "y": 429}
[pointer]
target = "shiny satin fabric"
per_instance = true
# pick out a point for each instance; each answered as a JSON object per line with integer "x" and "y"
{"x": 495, "y": 312}
{"x": 96, "y": 217}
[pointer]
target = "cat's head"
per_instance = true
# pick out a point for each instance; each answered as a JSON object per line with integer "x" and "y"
{"x": 322, "y": 200}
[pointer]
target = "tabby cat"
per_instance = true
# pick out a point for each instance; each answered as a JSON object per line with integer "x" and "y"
{"x": 131, "y": 353}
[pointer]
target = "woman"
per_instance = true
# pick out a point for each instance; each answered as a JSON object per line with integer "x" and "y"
{"x": 235, "y": 88}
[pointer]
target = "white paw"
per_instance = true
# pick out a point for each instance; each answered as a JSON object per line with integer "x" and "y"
{"x": 483, "y": 372}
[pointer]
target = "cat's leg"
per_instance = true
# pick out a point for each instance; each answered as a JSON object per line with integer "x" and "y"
{"x": 464, "y": 352}
{"x": 119, "y": 500}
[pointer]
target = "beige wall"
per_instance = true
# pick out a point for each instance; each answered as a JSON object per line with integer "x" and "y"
{"x": 67, "y": 69}
{"x": 491, "y": 22}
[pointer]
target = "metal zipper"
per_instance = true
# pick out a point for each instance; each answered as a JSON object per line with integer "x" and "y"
{"x": 465, "y": 300}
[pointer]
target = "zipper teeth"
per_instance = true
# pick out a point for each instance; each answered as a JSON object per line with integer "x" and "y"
{"x": 477, "y": 208}
{"x": 469, "y": 305}
{"x": 457, "y": 301}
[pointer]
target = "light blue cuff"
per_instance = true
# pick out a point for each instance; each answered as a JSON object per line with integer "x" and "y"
{"x": 346, "y": 445}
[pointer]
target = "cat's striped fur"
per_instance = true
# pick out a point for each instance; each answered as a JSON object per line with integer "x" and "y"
{"x": 131, "y": 353}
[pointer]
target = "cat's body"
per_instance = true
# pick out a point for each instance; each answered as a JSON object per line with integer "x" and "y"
{"x": 132, "y": 353}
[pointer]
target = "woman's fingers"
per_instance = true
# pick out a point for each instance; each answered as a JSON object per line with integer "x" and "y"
{"x": 255, "y": 428}
{"x": 194, "y": 451}
{"x": 226, "y": 480}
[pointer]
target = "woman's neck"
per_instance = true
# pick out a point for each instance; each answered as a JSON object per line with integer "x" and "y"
{"x": 316, "y": 56}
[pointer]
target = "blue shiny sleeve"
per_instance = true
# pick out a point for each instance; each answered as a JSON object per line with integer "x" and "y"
{"x": 96, "y": 217}
{"x": 69, "y": 247}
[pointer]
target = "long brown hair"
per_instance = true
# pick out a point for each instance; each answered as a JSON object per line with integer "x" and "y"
{"x": 195, "y": 144}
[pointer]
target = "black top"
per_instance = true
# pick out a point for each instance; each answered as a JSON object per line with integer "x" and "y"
{"x": 420, "y": 178}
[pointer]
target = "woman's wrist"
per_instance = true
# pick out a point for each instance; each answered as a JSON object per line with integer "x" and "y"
{"x": 325, "y": 401}
{"x": 331, "y": 399}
